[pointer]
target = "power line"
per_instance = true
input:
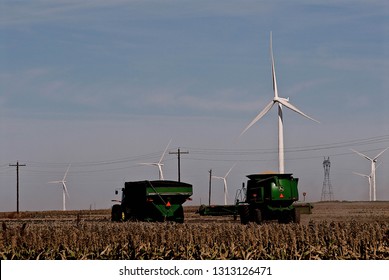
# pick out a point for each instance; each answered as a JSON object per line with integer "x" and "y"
{"x": 213, "y": 154}
{"x": 318, "y": 147}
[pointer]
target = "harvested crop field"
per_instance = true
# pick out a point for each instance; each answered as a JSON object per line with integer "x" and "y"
{"x": 334, "y": 230}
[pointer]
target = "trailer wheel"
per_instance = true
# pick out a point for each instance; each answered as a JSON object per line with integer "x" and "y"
{"x": 179, "y": 215}
{"x": 116, "y": 214}
{"x": 296, "y": 216}
{"x": 257, "y": 216}
{"x": 244, "y": 213}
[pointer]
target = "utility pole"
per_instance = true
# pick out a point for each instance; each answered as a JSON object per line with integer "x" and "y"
{"x": 17, "y": 183}
{"x": 210, "y": 185}
{"x": 178, "y": 153}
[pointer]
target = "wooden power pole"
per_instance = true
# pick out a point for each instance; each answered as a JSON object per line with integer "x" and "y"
{"x": 178, "y": 153}
{"x": 210, "y": 186}
{"x": 17, "y": 183}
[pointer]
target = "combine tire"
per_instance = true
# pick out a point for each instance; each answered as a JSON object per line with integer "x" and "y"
{"x": 292, "y": 216}
{"x": 244, "y": 213}
{"x": 257, "y": 216}
{"x": 285, "y": 217}
{"x": 116, "y": 213}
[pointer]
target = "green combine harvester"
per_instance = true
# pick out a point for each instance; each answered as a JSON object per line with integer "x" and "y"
{"x": 154, "y": 201}
{"x": 270, "y": 197}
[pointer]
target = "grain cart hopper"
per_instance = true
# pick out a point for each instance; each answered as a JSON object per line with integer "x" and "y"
{"x": 269, "y": 197}
{"x": 159, "y": 200}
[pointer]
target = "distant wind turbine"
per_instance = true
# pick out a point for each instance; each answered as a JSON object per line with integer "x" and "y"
{"x": 64, "y": 188}
{"x": 373, "y": 169}
{"x": 159, "y": 164}
{"x": 280, "y": 101}
{"x": 369, "y": 179}
{"x": 225, "y": 183}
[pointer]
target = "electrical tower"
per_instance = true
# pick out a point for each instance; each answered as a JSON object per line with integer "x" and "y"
{"x": 326, "y": 192}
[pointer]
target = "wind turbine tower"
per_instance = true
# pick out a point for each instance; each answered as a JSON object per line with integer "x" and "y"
{"x": 326, "y": 192}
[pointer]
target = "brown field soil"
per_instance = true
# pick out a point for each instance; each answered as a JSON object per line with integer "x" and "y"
{"x": 361, "y": 211}
{"x": 344, "y": 211}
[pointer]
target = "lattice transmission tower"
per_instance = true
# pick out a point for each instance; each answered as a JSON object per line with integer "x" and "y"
{"x": 326, "y": 192}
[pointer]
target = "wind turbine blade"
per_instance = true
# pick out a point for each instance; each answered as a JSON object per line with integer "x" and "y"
{"x": 377, "y": 156}
{"x": 294, "y": 108}
{"x": 164, "y": 152}
{"x": 362, "y": 155}
{"x": 225, "y": 186}
{"x": 229, "y": 170}
{"x": 260, "y": 115}
{"x": 160, "y": 172}
{"x": 363, "y": 175}
{"x": 273, "y": 70}
{"x": 54, "y": 182}
{"x": 66, "y": 173}
{"x": 148, "y": 163}
{"x": 65, "y": 189}
{"x": 217, "y": 177}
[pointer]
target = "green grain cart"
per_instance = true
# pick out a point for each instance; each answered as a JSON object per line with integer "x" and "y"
{"x": 159, "y": 200}
{"x": 270, "y": 197}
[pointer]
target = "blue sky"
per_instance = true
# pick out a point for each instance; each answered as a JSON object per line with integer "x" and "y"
{"x": 104, "y": 85}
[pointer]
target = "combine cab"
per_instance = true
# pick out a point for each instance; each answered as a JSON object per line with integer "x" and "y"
{"x": 270, "y": 197}
{"x": 158, "y": 200}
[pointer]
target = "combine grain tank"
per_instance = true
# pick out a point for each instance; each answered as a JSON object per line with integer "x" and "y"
{"x": 159, "y": 200}
{"x": 270, "y": 197}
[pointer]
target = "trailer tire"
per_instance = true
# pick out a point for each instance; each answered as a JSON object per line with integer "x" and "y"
{"x": 257, "y": 216}
{"x": 179, "y": 215}
{"x": 244, "y": 213}
{"x": 116, "y": 214}
{"x": 296, "y": 216}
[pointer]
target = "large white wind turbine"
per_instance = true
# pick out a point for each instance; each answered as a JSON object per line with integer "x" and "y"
{"x": 225, "y": 183}
{"x": 373, "y": 169}
{"x": 159, "y": 164}
{"x": 280, "y": 101}
{"x": 64, "y": 188}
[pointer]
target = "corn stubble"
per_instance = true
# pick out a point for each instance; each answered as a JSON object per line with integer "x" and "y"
{"x": 136, "y": 240}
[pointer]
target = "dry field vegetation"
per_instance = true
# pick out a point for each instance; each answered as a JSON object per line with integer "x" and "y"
{"x": 335, "y": 230}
